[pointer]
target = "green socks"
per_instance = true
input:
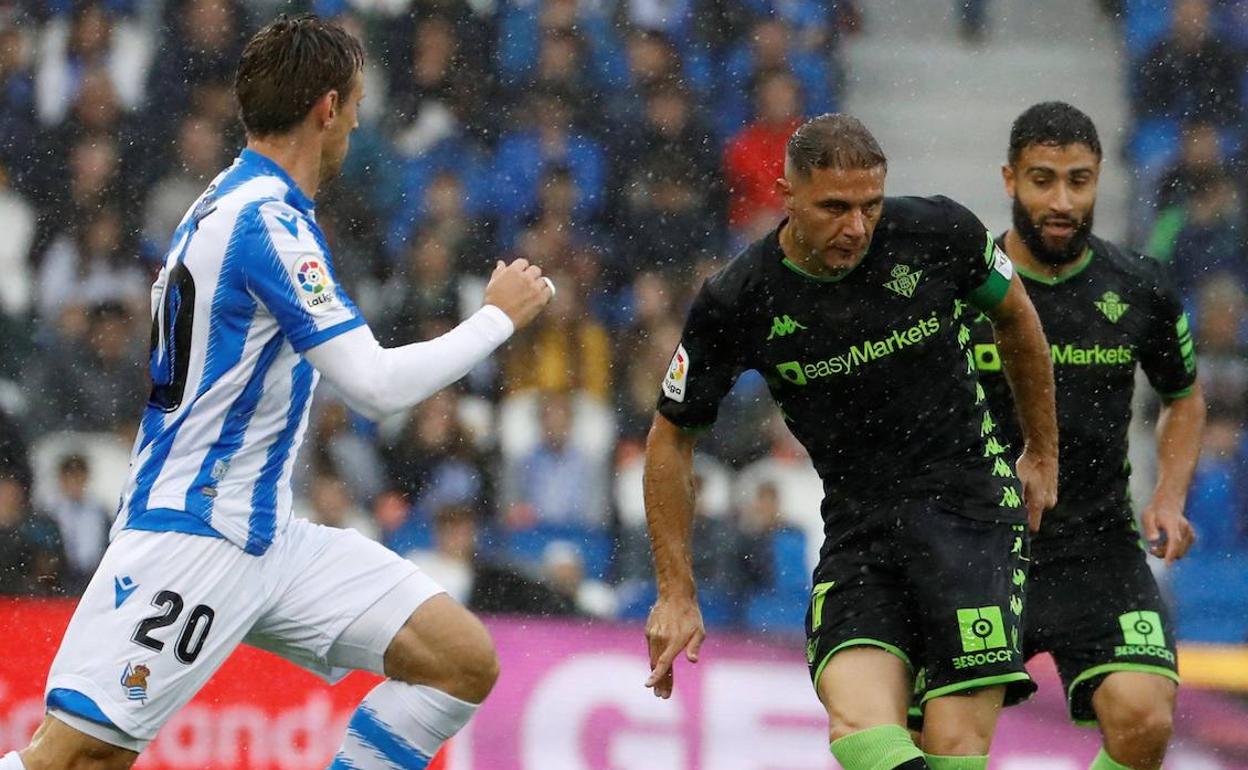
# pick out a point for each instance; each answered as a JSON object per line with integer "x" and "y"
{"x": 938, "y": 762}
{"x": 879, "y": 748}
{"x": 1104, "y": 761}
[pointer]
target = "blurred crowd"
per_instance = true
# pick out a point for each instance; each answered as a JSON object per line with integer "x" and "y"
{"x": 628, "y": 147}
{"x": 1188, "y": 85}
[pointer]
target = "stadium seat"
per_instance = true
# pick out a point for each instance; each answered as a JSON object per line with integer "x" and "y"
{"x": 1212, "y": 599}
{"x": 595, "y": 545}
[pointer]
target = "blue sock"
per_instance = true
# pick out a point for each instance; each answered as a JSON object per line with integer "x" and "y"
{"x": 400, "y": 727}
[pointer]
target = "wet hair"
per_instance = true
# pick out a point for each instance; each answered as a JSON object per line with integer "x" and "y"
{"x": 1056, "y": 124}
{"x": 833, "y": 140}
{"x": 289, "y": 65}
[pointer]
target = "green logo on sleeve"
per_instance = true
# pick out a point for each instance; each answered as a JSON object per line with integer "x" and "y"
{"x": 782, "y": 326}
{"x": 1142, "y": 628}
{"x": 1112, "y": 306}
{"x": 904, "y": 282}
{"x": 982, "y": 629}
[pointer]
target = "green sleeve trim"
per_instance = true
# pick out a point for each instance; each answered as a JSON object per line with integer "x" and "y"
{"x": 1109, "y": 668}
{"x": 861, "y": 642}
{"x": 976, "y": 684}
{"x": 991, "y": 292}
{"x": 1178, "y": 394}
{"x": 790, "y": 264}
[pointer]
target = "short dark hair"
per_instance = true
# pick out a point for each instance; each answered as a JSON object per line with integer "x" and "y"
{"x": 1056, "y": 124}
{"x": 290, "y": 64}
{"x": 74, "y": 463}
{"x": 833, "y": 140}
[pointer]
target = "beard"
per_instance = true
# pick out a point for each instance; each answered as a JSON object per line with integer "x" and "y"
{"x": 1032, "y": 233}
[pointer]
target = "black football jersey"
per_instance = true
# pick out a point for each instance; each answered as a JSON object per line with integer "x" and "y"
{"x": 873, "y": 371}
{"x": 1115, "y": 310}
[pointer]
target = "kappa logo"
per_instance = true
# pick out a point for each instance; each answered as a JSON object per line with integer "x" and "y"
{"x": 782, "y": 326}
{"x": 134, "y": 681}
{"x": 904, "y": 282}
{"x": 677, "y": 375}
{"x": 1112, "y": 306}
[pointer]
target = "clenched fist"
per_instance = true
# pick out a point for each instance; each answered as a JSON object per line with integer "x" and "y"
{"x": 519, "y": 291}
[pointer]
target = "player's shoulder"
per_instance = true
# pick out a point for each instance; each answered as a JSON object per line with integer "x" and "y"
{"x": 744, "y": 273}
{"x": 934, "y": 215}
{"x": 1136, "y": 269}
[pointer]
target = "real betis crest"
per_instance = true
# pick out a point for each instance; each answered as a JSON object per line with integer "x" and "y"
{"x": 904, "y": 281}
{"x": 1112, "y": 306}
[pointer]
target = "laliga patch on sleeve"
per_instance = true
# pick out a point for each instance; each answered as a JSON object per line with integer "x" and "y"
{"x": 312, "y": 280}
{"x": 1002, "y": 263}
{"x": 677, "y": 375}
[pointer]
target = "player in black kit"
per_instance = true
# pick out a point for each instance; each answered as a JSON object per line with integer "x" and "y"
{"x": 856, "y": 310}
{"x": 1091, "y": 599}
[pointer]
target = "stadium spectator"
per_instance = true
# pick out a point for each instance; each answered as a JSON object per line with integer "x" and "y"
{"x": 1223, "y": 357}
{"x": 547, "y": 137}
{"x": 31, "y": 557}
{"x": 642, "y": 355}
{"x": 557, "y": 482}
{"x": 1217, "y": 502}
{"x": 563, "y": 568}
{"x": 94, "y": 382}
{"x": 17, "y": 222}
{"x": 90, "y": 38}
{"x": 200, "y": 45}
{"x": 434, "y": 463}
{"x": 754, "y": 158}
{"x": 1199, "y": 153}
{"x": 438, "y": 92}
{"x": 330, "y": 503}
{"x": 566, "y": 350}
{"x": 336, "y": 449}
{"x": 1191, "y": 73}
{"x": 200, "y": 156}
{"x": 1204, "y": 235}
{"x": 18, "y": 124}
{"x": 93, "y": 265}
{"x": 768, "y": 48}
{"x": 81, "y": 521}
{"x": 422, "y": 293}
{"x": 477, "y": 580}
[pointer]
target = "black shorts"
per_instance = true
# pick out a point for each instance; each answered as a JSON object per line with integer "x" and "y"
{"x": 940, "y": 591}
{"x": 1093, "y": 603}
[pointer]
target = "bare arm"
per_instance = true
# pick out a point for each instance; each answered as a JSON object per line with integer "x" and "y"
{"x": 1028, "y": 366}
{"x": 1178, "y": 448}
{"x": 675, "y": 623}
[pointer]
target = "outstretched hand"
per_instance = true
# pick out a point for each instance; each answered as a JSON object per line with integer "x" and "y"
{"x": 675, "y": 625}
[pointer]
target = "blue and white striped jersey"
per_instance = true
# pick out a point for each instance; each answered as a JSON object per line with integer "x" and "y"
{"x": 246, "y": 288}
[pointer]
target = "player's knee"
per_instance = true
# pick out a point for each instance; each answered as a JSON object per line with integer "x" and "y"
{"x": 478, "y": 671}
{"x": 1138, "y": 723}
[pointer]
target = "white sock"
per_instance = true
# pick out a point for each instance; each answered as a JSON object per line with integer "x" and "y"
{"x": 399, "y": 726}
{"x": 11, "y": 761}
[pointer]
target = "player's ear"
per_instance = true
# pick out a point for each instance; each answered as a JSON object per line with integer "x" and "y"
{"x": 1007, "y": 176}
{"x": 785, "y": 191}
{"x": 327, "y": 108}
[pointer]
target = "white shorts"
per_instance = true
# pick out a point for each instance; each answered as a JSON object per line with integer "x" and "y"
{"x": 164, "y": 610}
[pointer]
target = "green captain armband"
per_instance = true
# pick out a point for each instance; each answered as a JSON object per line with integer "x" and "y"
{"x": 992, "y": 291}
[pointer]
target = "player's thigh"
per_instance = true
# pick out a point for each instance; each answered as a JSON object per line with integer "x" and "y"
{"x": 1118, "y": 623}
{"x": 444, "y": 646}
{"x": 861, "y": 629}
{"x": 968, "y": 578}
{"x": 162, "y": 613}
{"x": 342, "y": 600}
